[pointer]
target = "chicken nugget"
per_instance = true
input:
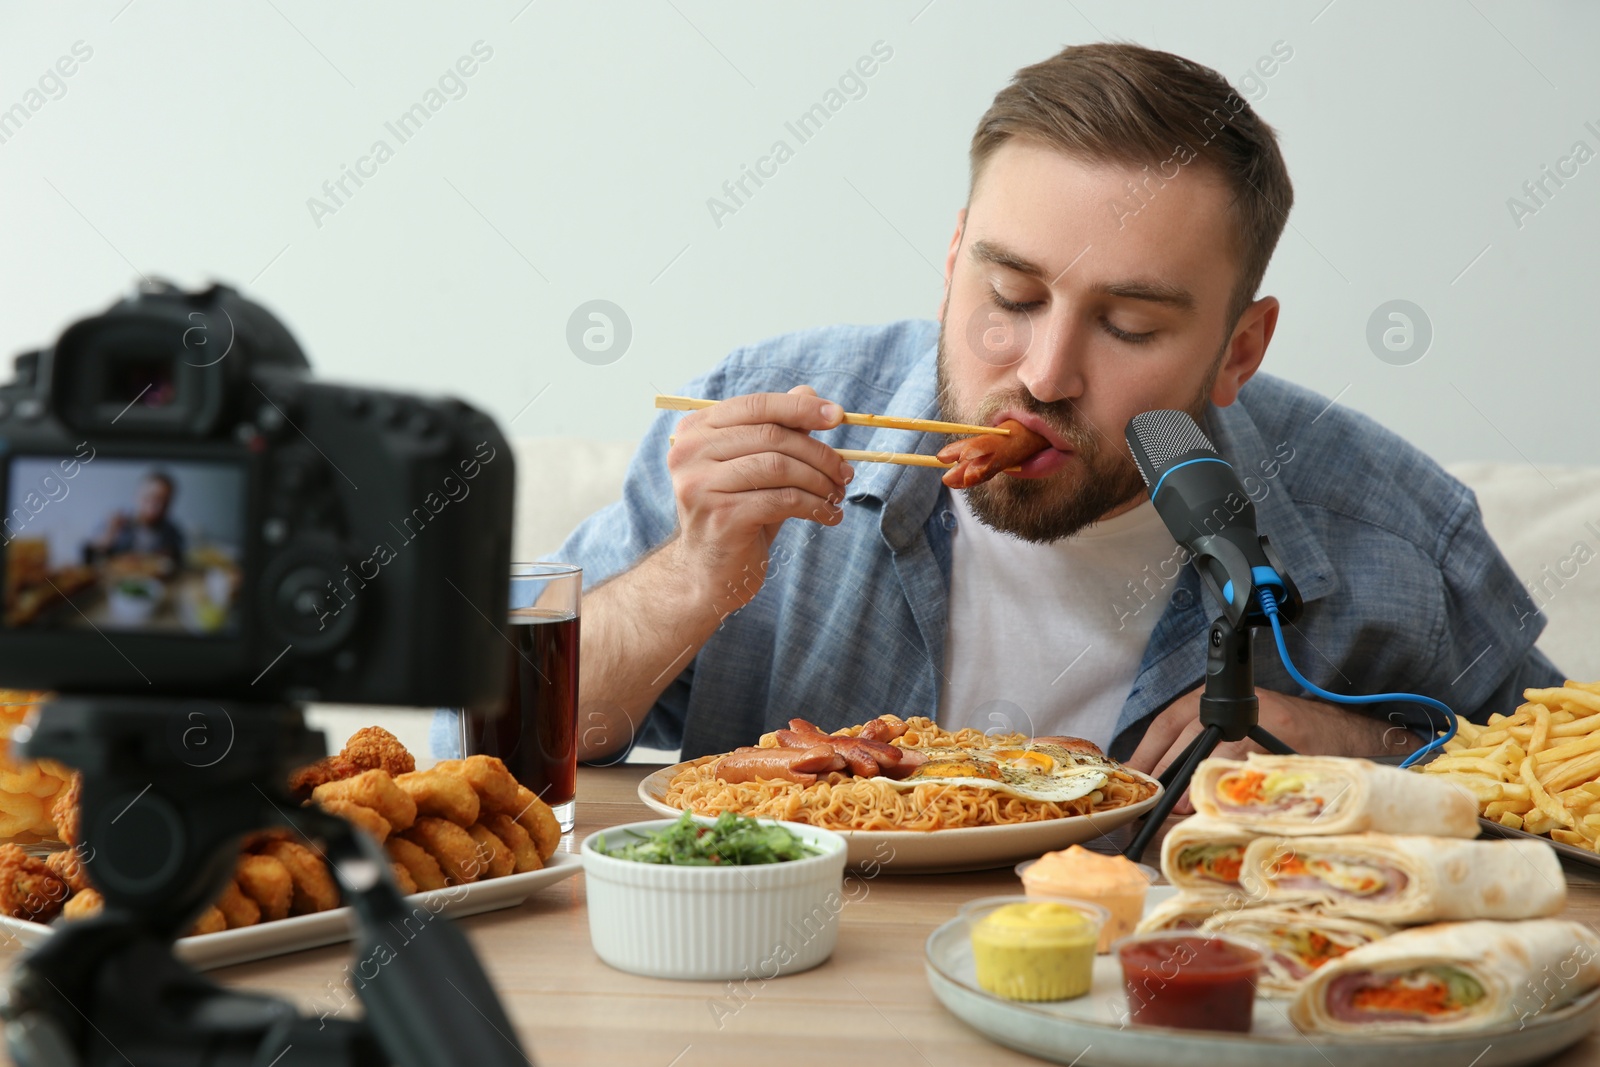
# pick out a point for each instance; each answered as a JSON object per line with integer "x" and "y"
{"x": 451, "y": 845}
{"x": 375, "y": 789}
{"x": 424, "y": 869}
{"x": 237, "y": 908}
{"x": 211, "y": 921}
{"x": 69, "y": 868}
{"x": 83, "y": 904}
{"x": 362, "y": 818}
{"x": 441, "y": 795}
{"x": 303, "y": 782}
{"x": 64, "y": 810}
{"x": 267, "y": 882}
{"x": 523, "y": 851}
{"x": 535, "y": 816}
{"x": 495, "y": 786}
{"x": 314, "y": 888}
{"x": 402, "y": 878}
{"x": 493, "y": 853}
{"x": 374, "y": 748}
{"x": 29, "y": 889}
{"x": 369, "y": 748}
{"x": 256, "y": 838}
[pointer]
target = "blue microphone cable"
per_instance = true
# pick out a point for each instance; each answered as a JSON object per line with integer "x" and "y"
{"x": 1269, "y": 604}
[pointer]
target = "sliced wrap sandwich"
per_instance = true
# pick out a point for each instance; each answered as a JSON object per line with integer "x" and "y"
{"x": 1451, "y": 978}
{"x": 1189, "y": 911}
{"x": 1296, "y": 795}
{"x": 1297, "y": 940}
{"x": 1204, "y": 854}
{"x": 1408, "y": 879}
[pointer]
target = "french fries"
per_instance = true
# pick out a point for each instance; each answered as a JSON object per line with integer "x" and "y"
{"x": 1537, "y": 769}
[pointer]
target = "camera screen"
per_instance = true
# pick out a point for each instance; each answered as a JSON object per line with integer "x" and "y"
{"x": 153, "y": 546}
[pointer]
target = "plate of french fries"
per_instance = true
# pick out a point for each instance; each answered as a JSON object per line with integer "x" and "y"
{"x": 1537, "y": 770}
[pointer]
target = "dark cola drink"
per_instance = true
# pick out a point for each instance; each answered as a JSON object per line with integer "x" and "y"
{"x": 536, "y": 732}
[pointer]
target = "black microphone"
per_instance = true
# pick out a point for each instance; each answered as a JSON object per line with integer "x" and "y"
{"x": 1198, "y": 495}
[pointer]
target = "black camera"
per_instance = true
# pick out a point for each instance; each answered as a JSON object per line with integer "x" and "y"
{"x": 188, "y": 512}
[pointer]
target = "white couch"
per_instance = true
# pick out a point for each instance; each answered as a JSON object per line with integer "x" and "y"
{"x": 1546, "y": 521}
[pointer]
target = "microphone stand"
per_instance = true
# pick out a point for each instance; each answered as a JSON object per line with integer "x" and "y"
{"x": 1229, "y": 708}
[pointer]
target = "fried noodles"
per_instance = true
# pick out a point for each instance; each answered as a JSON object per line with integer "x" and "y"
{"x": 840, "y": 802}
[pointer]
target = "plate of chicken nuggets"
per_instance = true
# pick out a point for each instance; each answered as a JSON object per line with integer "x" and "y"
{"x": 463, "y": 837}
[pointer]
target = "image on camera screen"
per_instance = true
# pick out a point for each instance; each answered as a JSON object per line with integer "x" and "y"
{"x": 153, "y": 546}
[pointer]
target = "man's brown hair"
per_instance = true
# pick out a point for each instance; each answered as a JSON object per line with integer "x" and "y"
{"x": 1129, "y": 105}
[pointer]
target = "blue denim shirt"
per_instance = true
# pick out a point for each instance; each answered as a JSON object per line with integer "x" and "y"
{"x": 1403, "y": 588}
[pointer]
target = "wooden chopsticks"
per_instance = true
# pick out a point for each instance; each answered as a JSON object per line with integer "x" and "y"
{"x": 891, "y": 422}
{"x": 861, "y": 455}
{"x": 904, "y": 459}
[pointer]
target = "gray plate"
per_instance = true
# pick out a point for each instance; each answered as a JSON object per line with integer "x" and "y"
{"x": 1571, "y": 852}
{"x": 228, "y": 947}
{"x": 1088, "y": 1031}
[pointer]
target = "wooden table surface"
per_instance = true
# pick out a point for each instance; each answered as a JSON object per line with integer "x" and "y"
{"x": 869, "y": 1003}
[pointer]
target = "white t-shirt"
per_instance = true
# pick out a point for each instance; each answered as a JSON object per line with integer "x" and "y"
{"x": 1047, "y": 639}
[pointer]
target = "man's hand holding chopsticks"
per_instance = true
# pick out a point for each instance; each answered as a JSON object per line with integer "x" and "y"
{"x": 740, "y": 469}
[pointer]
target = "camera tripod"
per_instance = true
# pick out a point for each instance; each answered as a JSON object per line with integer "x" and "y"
{"x": 163, "y": 810}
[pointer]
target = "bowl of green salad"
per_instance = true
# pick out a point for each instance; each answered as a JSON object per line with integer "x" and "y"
{"x": 712, "y": 899}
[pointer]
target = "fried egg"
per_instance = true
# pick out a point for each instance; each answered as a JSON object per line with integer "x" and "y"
{"x": 1039, "y": 772}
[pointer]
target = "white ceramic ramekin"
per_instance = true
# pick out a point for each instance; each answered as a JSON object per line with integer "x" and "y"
{"x": 759, "y": 921}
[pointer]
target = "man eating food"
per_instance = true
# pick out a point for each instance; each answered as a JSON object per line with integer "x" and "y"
{"x": 1124, "y": 205}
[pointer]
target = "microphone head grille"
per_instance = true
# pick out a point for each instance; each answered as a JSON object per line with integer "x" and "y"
{"x": 1161, "y": 439}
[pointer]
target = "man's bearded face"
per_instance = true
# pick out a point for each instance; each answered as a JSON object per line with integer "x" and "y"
{"x": 1076, "y": 318}
{"x": 1099, "y": 478}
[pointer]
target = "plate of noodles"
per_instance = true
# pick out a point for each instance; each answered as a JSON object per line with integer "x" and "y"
{"x": 911, "y": 796}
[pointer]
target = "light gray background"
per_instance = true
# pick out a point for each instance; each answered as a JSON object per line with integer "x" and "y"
{"x": 578, "y": 164}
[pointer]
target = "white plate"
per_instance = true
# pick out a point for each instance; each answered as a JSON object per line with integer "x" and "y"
{"x": 1089, "y": 1031}
{"x": 973, "y": 848}
{"x": 227, "y": 947}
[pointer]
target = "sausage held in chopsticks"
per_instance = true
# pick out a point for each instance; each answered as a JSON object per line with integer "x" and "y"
{"x": 977, "y": 459}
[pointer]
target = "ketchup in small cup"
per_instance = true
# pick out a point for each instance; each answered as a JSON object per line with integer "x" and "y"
{"x": 1189, "y": 980}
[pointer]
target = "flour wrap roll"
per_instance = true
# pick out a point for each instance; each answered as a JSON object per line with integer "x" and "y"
{"x": 1297, "y": 795}
{"x": 1298, "y": 940}
{"x": 1411, "y": 879}
{"x": 1451, "y": 978}
{"x": 1189, "y": 911}
{"x": 1204, "y": 854}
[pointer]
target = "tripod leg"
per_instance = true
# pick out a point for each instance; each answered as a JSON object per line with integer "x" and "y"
{"x": 107, "y": 984}
{"x": 1167, "y": 776}
{"x": 1268, "y": 742}
{"x": 1198, "y": 749}
{"x": 411, "y": 951}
